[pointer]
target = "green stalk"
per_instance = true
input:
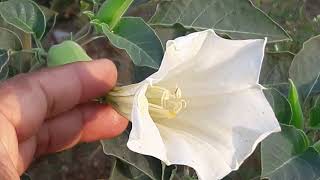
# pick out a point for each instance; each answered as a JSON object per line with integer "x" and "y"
{"x": 111, "y": 11}
{"x": 26, "y": 41}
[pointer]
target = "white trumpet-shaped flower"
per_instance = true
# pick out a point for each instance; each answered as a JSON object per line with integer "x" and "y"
{"x": 204, "y": 107}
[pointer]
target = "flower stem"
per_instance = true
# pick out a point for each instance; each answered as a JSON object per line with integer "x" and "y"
{"x": 111, "y": 11}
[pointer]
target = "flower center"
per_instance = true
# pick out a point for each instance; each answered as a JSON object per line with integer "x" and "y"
{"x": 164, "y": 104}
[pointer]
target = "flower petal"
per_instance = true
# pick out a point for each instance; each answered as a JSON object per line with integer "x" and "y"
{"x": 180, "y": 51}
{"x": 211, "y": 63}
{"x": 216, "y": 134}
{"x": 144, "y": 136}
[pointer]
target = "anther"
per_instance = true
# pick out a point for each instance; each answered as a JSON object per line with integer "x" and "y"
{"x": 164, "y": 104}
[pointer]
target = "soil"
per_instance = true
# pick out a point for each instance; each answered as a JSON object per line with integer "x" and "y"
{"x": 84, "y": 162}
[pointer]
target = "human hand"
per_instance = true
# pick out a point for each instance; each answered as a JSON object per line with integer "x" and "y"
{"x": 51, "y": 110}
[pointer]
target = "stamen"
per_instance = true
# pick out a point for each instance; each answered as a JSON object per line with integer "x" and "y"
{"x": 164, "y": 104}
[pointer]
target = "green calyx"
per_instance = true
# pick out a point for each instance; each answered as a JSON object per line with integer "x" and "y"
{"x": 65, "y": 53}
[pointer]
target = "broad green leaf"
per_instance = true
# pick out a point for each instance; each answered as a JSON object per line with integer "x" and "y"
{"x": 295, "y": 16}
{"x": 314, "y": 116}
{"x": 239, "y": 19}
{"x": 297, "y": 115}
{"x": 146, "y": 164}
{"x": 317, "y": 146}
{"x": 168, "y": 172}
{"x": 139, "y": 2}
{"x": 25, "y": 15}
{"x": 9, "y": 40}
{"x": 280, "y": 105}
{"x": 66, "y": 52}
{"x": 4, "y": 60}
{"x": 141, "y": 73}
{"x": 275, "y": 68}
{"x": 170, "y": 33}
{"x": 138, "y": 40}
{"x": 111, "y": 11}
{"x": 305, "y": 166}
{"x": 123, "y": 171}
{"x": 4, "y": 73}
{"x": 285, "y": 156}
{"x": 25, "y": 38}
{"x": 250, "y": 169}
{"x": 305, "y": 69}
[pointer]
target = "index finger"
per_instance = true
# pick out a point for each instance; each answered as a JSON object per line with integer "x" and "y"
{"x": 26, "y": 100}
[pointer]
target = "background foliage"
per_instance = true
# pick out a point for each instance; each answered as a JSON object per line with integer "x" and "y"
{"x": 136, "y": 42}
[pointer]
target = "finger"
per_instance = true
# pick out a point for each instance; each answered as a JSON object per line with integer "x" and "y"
{"x": 8, "y": 141}
{"x": 28, "y": 99}
{"x": 26, "y": 152}
{"x": 8, "y": 151}
{"x": 7, "y": 167}
{"x": 85, "y": 123}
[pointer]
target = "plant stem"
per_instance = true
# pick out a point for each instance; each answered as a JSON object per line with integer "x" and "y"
{"x": 111, "y": 11}
{"x": 26, "y": 41}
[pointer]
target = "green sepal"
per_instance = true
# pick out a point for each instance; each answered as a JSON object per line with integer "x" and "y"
{"x": 297, "y": 115}
{"x": 65, "y": 53}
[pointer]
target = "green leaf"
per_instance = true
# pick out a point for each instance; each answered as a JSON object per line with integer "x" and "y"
{"x": 141, "y": 73}
{"x": 138, "y": 40}
{"x": 168, "y": 172}
{"x": 66, "y": 52}
{"x": 139, "y": 2}
{"x": 123, "y": 171}
{"x": 299, "y": 167}
{"x": 275, "y": 68}
{"x": 25, "y": 38}
{"x": 170, "y": 33}
{"x": 297, "y": 115}
{"x": 146, "y": 164}
{"x": 239, "y": 19}
{"x": 4, "y": 59}
{"x": 111, "y": 11}
{"x": 314, "y": 116}
{"x": 4, "y": 73}
{"x": 25, "y": 15}
{"x": 9, "y": 40}
{"x": 317, "y": 146}
{"x": 280, "y": 105}
{"x": 285, "y": 156}
{"x": 296, "y": 16}
{"x": 305, "y": 69}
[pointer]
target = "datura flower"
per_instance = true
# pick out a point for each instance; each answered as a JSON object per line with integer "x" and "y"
{"x": 203, "y": 108}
